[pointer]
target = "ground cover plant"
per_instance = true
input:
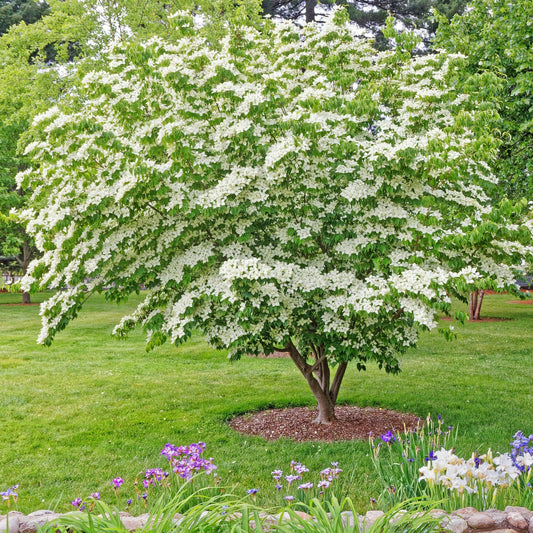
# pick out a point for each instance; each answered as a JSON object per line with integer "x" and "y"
{"x": 91, "y": 408}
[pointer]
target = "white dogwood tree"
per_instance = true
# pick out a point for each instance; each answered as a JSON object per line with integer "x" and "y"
{"x": 286, "y": 189}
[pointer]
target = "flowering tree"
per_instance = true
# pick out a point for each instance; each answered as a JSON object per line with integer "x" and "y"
{"x": 286, "y": 189}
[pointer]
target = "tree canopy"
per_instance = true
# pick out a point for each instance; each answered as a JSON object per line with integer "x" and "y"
{"x": 43, "y": 58}
{"x": 496, "y": 38}
{"x": 290, "y": 190}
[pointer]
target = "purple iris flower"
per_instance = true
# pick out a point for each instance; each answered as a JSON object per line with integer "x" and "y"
{"x": 76, "y": 502}
{"x": 388, "y": 437}
{"x": 117, "y": 482}
{"x": 431, "y": 456}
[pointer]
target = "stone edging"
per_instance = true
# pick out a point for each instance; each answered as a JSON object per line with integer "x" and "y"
{"x": 467, "y": 520}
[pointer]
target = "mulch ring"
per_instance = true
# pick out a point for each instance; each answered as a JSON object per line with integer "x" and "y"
{"x": 297, "y": 424}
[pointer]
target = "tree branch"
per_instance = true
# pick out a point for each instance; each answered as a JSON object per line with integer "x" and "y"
{"x": 299, "y": 361}
{"x": 319, "y": 361}
{"x": 337, "y": 380}
{"x": 156, "y": 210}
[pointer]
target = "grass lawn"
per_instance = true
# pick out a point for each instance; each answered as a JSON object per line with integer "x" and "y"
{"x": 92, "y": 408}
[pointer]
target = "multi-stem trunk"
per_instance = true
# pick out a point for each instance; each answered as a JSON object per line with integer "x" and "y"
{"x": 475, "y": 300}
{"x": 318, "y": 377}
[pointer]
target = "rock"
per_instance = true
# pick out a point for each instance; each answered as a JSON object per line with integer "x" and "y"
{"x": 503, "y": 530}
{"x": 530, "y": 530}
{"x": 516, "y": 520}
{"x": 398, "y": 516}
{"x": 35, "y": 520}
{"x": 303, "y": 516}
{"x": 282, "y": 517}
{"x": 456, "y": 524}
{"x": 131, "y": 523}
{"x": 348, "y": 519}
{"x": 437, "y": 513}
{"x": 526, "y": 513}
{"x": 13, "y": 524}
{"x": 145, "y": 518}
{"x": 178, "y": 519}
{"x": 465, "y": 512}
{"x": 270, "y": 520}
{"x": 370, "y": 519}
{"x": 480, "y": 521}
{"x": 499, "y": 517}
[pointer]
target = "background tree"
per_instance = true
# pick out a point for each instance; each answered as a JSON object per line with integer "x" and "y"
{"x": 305, "y": 195}
{"x": 371, "y": 14}
{"x": 496, "y": 38}
{"x": 15, "y": 11}
{"x": 37, "y": 69}
{"x": 14, "y": 242}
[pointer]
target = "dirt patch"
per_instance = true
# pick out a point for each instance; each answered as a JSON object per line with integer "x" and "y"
{"x": 297, "y": 424}
{"x": 273, "y": 355}
{"x": 523, "y": 302}
{"x": 490, "y": 319}
{"x": 482, "y": 319}
{"x": 11, "y": 305}
{"x": 489, "y": 291}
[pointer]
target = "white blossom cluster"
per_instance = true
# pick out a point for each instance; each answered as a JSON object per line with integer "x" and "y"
{"x": 474, "y": 474}
{"x": 284, "y": 185}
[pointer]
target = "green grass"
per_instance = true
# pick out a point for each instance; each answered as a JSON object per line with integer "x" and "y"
{"x": 91, "y": 407}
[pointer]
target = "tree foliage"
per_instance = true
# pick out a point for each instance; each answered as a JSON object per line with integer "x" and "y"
{"x": 286, "y": 190}
{"x": 497, "y": 38}
{"x": 42, "y": 62}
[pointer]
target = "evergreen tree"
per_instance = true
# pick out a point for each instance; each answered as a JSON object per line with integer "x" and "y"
{"x": 370, "y": 14}
{"x": 14, "y": 11}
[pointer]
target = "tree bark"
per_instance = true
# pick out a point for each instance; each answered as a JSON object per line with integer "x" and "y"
{"x": 310, "y": 10}
{"x": 318, "y": 378}
{"x": 24, "y": 261}
{"x": 480, "y": 295}
{"x": 475, "y": 300}
{"x": 472, "y": 301}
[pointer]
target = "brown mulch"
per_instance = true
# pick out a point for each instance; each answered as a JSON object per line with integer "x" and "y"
{"x": 297, "y": 424}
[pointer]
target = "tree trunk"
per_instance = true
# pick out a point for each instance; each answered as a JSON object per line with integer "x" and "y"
{"x": 318, "y": 376}
{"x": 475, "y": 300}
{"x": 24, "y": 261}
{"x": 310, "y": 10}
{"x": 326, "y": 408}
